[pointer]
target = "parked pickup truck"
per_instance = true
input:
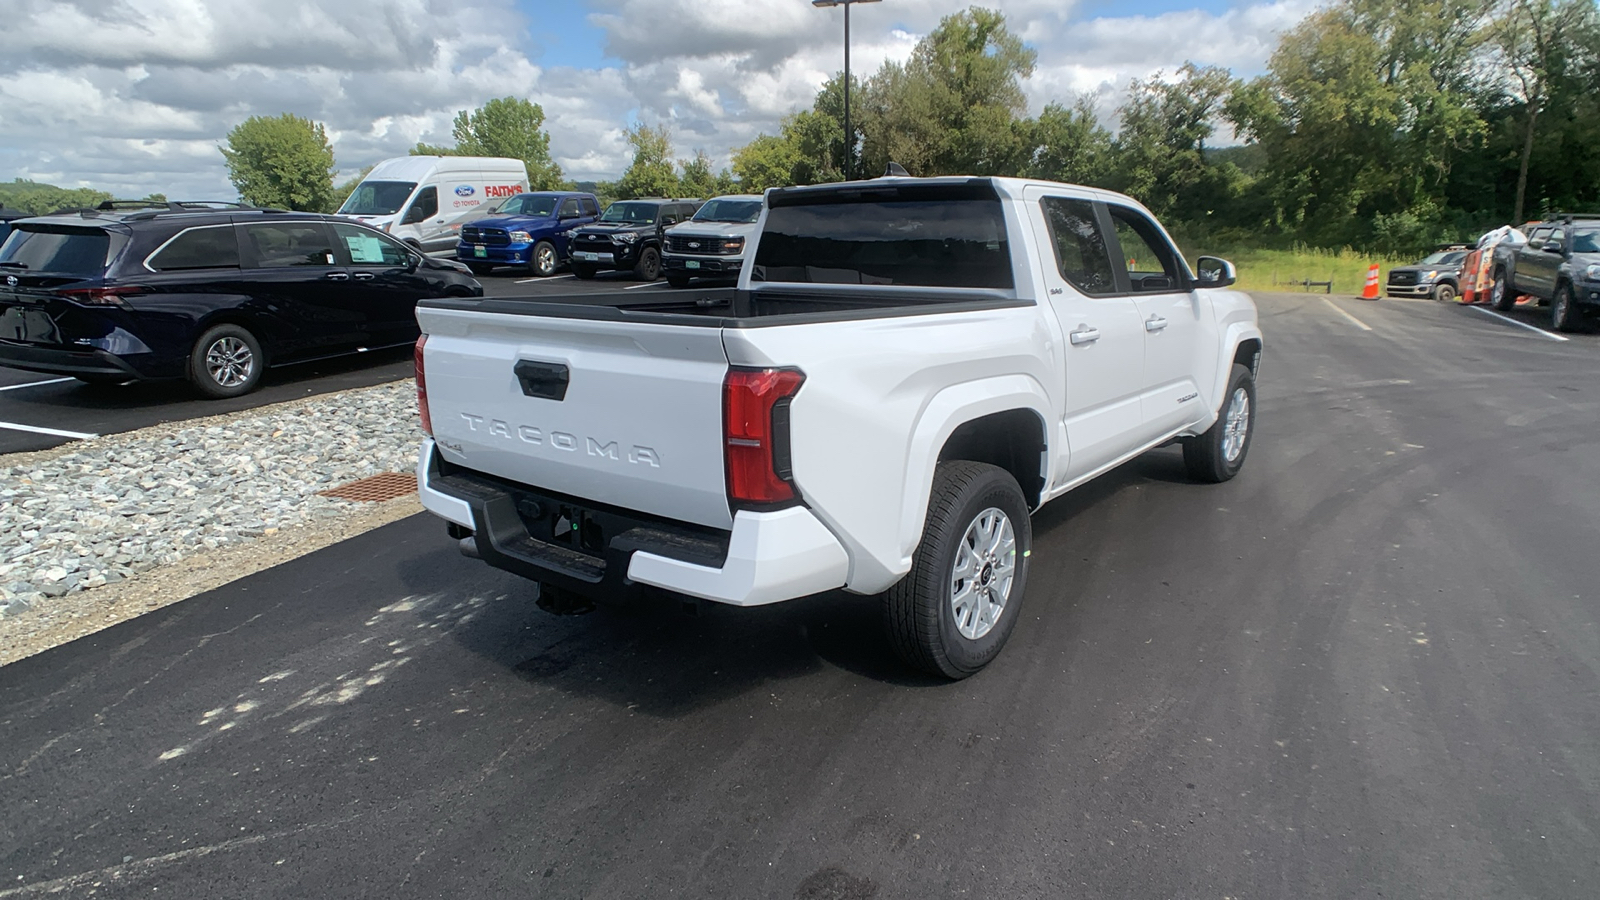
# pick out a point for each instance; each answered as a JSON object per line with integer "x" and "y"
{"x": 714, "y": 243}
{"x": 907, "y": 369}
{"x": 1559, "y": 265}
{"x": 528, "y": 231}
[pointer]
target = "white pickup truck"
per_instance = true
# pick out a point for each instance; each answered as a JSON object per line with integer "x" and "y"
{"x": 908, "y": 368}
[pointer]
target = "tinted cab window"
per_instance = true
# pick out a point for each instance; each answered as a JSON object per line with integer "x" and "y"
{"x": 1080, "y": 245}
{"x": 208, "y": 247}
{"x": 57, "y": 250}
{"x": 288, "y": 244}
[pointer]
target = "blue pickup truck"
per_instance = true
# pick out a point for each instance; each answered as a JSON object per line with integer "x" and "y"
{"x": 528, "y": 231}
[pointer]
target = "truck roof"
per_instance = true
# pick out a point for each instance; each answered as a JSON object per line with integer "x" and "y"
{"x": 1007, "y": 188}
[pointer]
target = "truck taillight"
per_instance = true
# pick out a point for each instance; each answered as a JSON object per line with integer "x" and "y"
{"x": 422, "y": 388}
{"x": 755, "y": 417}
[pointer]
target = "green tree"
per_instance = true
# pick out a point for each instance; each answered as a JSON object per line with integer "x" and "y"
{"x": 651, "y": 174}
{"x": 1160, "y": 149}
{"x": 1069, "y": 145}
{"x": 699, "y": 181}
{"x": 766, "y": 162}
{"x": 40, "y": 198}
{"x": 281, "y": 161}
{"x": 510, "y": 127}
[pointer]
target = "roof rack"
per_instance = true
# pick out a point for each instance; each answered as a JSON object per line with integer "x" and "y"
{"x": 1569, "y": 216}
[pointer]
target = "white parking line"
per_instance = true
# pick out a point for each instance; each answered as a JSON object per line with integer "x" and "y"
{"x": 551, "y": 278}
{"x": 18, "y": 387}
{"x": 78, "y": 435}
{"x": 1353, "y": 320}
{"x": 635, "y": 287}
{"x": 1533, "y": 328}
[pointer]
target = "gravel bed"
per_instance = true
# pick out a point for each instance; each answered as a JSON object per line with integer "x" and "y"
{"x": 122, "y": 505}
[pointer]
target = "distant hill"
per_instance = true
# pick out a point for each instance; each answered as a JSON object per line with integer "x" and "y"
{"x": 38, "y": 198}
{"x": 1250, "y": 158}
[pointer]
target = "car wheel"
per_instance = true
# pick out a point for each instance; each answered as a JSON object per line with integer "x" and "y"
{"x": 1444, "y": 293}
{"x": 226, "y": 362}
{"x": 953, "y": 611}
{"x": 1500, "y": 296}
{"x": 1564, "y": 313}
{"x": 677, "y": 280}
{"x": 480, "y": 269}
{"x": 543, "y": 262}
{"x": 585, "y": 272}
{"x": 649, "y": 266}
{"x": 1217, "y": 455}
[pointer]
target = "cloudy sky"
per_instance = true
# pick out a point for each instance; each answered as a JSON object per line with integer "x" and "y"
{"x": 134, "y": 96}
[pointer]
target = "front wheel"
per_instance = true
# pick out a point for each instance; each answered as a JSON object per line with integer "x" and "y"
{"x": 649, "y": 266}
{"x": 226, "y": 362}
{"x": 1501, "y": 296}
{"x": 951, "y": 614}
{"x": 1564, "y": 314}
{"x": 1217, "y": 455}
{"x": 582, "y": 271}
{"x": 1444, "y": 293}
{"x": 480, "y": 269}
{"x": 543, "y": 261}
{"x": 677, "y": 279}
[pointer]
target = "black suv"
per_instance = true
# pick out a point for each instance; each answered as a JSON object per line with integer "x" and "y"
{"x": 211, "y": 292}
{"x": 628, "y": 236}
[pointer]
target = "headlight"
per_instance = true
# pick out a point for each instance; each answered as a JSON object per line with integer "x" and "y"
{"x": 1429, "y": 276}
{"x": 571, "y": 233}
{"x": 1592, "y": 273}
{"x": 521, "y": 237}
{"x": 626, "y": 237}
{"x": 734, "y": 245}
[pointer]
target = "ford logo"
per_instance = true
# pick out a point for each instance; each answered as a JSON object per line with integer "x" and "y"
{"x": 694, "y": 245}
{"x": 464, "y": 190}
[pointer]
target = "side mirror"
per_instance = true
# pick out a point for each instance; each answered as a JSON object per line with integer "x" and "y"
{"x": 412, "y": 262}
{"x": 413, "y": 216}
{"x": 1214, "y": 272}
{"x": 1552, "y": 247}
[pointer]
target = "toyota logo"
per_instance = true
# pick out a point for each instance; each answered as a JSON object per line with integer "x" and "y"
{"x": 11, "y": 281}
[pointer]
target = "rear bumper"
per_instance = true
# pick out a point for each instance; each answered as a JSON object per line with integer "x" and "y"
{"x": 52, "y": 361}
{"x": 766, "y": 558}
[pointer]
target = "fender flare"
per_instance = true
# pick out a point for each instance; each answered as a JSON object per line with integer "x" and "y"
{"x": 944, "y": 412}
{"x": 1235, "y": 335}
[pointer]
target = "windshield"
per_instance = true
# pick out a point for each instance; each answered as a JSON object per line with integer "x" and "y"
{"x": 62, "y": 251}
{"x": 528, "y": 205}
{"x": 1446, "y": 258}
{"x": 377, "y": 198}
{"x": 1582, "y": 241}
{"x": 738, "y": 211}
{"x": 632, "y": 213}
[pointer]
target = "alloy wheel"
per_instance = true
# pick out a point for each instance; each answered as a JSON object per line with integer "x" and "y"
{"x": 985, "y": 568}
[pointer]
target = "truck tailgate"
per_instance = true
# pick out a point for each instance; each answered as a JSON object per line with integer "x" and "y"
{"x": 637, "y": 422}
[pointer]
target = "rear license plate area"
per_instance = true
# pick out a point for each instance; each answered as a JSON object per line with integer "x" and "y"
{"x": 563, "y": 524}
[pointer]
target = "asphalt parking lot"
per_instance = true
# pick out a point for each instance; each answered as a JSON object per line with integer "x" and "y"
{"x": 41, "y": 411}
{"x": 1366, "y": 667}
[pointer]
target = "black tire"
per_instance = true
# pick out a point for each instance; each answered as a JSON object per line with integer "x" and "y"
{"x": 919, "y": 614}
{"x": 1501, "y": 296}
{"x": 1564, "y": 313}
{"x": 1444, "y": 293}
{"x": 648, "y": 268}
{"x": 581, "y": 271}
{"x": 480, "y": 269}
{"x": 1206, "y": 457}
{"x": 544, "y": 260}
{"x": 678, "y": 280}
{"x": 236, "y": 367}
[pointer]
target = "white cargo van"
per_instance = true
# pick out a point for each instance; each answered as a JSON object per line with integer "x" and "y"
{"x": 423, "y": 200}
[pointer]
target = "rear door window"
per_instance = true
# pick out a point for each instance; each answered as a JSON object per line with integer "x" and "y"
{"x": 860, "y": 239}
{"x": 1080, "y": 245}
{"x": 210, "y": 247}
{"x": 57, "y": 250}
{"x": 569, "y": 208}
{"x": 288, "y": 244}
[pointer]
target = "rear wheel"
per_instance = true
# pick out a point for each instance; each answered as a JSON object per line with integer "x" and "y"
{"x": 226, "y": 362}
{"x": 1501, "y": 296}
{"x": 543, "y": 261}
{"x": 1564, "y": 313}
{"x": 1217, "y": 455}
{"x": 581, "y": 271}
{"x": 649, "y": 266}
{"x": 677, "y": 279}
{"x": 952, "y": 613}
{"x": 1444, "y": 293}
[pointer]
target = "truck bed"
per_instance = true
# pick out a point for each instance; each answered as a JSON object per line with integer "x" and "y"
{"x": 734, "y": 308}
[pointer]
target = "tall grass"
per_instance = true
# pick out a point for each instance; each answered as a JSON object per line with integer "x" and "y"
{"x": 1264, "y": 269}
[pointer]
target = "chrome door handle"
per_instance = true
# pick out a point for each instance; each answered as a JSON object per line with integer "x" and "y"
{"x": 1154, "y": 323}
{"x": 337, "y": 276}
{"x": 1084, "y": 335}
{"x": 365, "y": 276}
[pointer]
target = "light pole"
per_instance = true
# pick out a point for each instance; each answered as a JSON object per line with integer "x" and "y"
{"x": 849, "y": 137}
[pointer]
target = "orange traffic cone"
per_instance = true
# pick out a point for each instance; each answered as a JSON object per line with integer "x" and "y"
{"x": 1370, "y": 292}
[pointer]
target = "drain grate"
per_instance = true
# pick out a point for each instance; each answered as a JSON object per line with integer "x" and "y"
{"x": 376, "y": 489}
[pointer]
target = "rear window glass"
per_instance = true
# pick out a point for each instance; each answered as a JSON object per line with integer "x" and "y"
{"x": 64, "y": 251}
{"x": 922, "y": 243}
{"x": 198, "y": 248}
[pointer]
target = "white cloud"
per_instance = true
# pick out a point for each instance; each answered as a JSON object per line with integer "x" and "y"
{"x": 134, "y": 96}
